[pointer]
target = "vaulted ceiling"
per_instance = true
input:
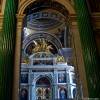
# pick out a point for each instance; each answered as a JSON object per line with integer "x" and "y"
{"x": 94, "y": 5}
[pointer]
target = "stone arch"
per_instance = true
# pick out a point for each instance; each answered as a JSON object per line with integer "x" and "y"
{"x": 41, "y": 76}
{"x": 65, "y": 3}
{"x": 44, "y": 85}
{"x": 47, "y": 35}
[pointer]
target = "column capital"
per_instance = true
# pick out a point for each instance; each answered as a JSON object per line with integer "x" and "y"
{"x": 95, "y": 20}
{"x": 1, "y": 20}
{"x": 73, "y": 20}
{"x": 20, "y": 20}
{"x": 20, "y": 16}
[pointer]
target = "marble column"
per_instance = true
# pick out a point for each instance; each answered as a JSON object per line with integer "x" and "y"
{"x": 91, "y": 59}
{"x": 7, "y": 48}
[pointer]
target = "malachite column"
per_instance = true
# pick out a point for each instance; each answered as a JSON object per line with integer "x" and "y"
{"x": 7, "y": 45}
{"x": 91, "y": 58}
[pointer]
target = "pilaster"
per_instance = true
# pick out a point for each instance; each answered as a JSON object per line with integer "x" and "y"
{"x": 55, "y": 86}
{"x": 17, "y": 57}
{"x": 77, "y": 56}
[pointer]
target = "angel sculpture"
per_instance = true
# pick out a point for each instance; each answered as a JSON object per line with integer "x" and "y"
{"x": 42, "y": 46}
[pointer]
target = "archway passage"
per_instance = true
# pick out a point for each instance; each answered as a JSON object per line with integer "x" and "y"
{"x": 43, "y": 89}
{"x": 45, "y": 32}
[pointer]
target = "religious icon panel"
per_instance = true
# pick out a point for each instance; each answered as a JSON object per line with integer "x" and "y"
{"x": 61, "y": 78}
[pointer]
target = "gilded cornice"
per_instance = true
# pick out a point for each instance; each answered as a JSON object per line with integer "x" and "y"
{"x": 95, "y": 19}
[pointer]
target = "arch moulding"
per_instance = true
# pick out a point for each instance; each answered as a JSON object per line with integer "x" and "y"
{"x": 65, "y": 3}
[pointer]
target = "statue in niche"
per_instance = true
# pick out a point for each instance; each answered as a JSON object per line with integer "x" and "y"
{"x": 24, "y": 94}
{"x": 60, "y": 35}
{"x": 63, "y": 94}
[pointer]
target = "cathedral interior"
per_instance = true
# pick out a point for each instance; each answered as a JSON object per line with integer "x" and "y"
{"x": 49, "y": 49}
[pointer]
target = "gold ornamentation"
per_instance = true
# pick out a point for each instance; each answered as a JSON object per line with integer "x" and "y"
{"x": 60, "y": 59}
{"x": 42, "y": 46}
